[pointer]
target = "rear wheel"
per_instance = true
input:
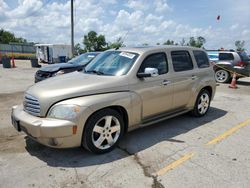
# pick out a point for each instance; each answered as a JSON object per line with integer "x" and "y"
{"x": 222, "y": 76}
{"x": 103, "y": 131}
{"x": 202, "y": 103}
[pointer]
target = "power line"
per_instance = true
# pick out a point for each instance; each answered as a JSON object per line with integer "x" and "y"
{"x": 33, "y": 13}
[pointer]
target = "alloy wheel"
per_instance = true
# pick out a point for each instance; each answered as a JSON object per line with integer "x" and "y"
{"x": 203, "y": 103}
{"x": 106, "y": 132}
{"x": 221, "y": 76}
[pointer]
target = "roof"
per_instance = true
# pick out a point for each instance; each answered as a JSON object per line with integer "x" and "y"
{"x": 143, "y": 49}
{"x": 219, "y": 51}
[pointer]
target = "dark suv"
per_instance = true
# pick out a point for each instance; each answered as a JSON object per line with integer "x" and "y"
{"x": 228, "y": 62}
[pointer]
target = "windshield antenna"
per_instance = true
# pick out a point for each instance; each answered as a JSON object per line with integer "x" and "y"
{"x": 122, "y": 39}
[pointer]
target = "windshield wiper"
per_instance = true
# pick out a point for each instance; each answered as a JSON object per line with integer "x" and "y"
{"x": 95, "y": 72}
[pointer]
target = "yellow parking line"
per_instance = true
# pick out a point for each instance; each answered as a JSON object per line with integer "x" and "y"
{"x": 229, "y": 132}
{"x": 174, "y": 164}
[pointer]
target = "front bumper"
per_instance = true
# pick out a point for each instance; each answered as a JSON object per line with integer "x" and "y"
{"x": 48, "y": 131}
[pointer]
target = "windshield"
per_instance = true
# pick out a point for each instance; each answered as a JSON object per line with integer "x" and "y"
{"x": 114, "y": 63}
{"x": 83, "y": 59}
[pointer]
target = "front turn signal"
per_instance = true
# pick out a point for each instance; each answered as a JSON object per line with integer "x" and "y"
{"x": 74, "y": 129}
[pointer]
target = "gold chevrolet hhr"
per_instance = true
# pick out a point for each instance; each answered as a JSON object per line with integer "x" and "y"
{"x": 118, "y": 91}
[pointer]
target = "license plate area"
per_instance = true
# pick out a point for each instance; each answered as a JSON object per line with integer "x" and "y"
{"x": 16, "y": 124}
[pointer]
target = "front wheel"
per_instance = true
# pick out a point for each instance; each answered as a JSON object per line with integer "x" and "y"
{"x": 202, "y": 104}
{"x": 222, "y": 76}
{"x": 103, "y": 131}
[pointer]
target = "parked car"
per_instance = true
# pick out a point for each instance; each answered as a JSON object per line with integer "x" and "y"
{"x": 227, "y": 62}
{"x": 75, "y": 64}
{"x": 120, "y": 90}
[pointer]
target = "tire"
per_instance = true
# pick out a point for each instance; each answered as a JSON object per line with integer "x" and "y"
{"x": 222, "y": 76}
{"x": 103, "y": 131}
{"x": 202, "y": 104}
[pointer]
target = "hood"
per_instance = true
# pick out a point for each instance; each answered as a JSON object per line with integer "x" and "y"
{"x": 57, "y": 67}
{"x": 72, "y": 85}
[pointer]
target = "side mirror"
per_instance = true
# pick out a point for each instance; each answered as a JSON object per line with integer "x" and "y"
{"x": 148, "y": 72}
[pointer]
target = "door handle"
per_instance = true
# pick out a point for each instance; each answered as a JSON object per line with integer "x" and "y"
{"x": 193, "y": 77}
{"x": 166, "y": 82}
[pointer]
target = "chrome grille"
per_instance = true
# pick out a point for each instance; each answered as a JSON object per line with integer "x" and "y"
{"x": 31, "y": 105}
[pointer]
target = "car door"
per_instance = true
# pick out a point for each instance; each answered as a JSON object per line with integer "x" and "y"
{"x": 156, "y": 92}
{"x": 184, "y": 78}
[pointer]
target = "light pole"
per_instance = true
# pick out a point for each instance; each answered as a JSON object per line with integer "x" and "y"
{"x": 72, "y": 27}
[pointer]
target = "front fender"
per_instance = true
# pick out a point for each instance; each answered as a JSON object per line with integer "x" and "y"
{"x": 130, "y": 101}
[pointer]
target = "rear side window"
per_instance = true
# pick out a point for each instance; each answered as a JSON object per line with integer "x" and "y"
{"x": 226, "y": 56}
{"x": 157, "y": 61}
{"x": 181, "y": 61}
{"x": 201, "y": 59}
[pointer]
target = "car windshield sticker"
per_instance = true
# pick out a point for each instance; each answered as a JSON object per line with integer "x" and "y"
{"x": 128, "y": 55}
{"x": 91, "y": 56}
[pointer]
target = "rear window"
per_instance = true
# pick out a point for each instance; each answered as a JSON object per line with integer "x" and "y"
{"x": 226, "y": 56}
{"x": 181, "y": 61}
{"x": 201, "y": 59}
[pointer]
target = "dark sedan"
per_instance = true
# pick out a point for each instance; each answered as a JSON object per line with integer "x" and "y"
{"x": 75, "y": 64}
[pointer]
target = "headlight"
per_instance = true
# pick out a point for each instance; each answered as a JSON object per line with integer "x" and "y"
{"x": 59, "y": 73}
{"x": 64, "y": 111}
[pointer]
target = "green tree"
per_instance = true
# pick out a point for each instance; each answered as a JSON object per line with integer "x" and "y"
{"x": 7, "y": 37}
{"x": 169, "y": 42}
{"x": 182, "y": 42}
{"x": 21, "y": 40}
{"x": 200, "y": 41}
{"x": 240, "y": 45}
{"x": 117, "y": 44}
{"x": 196, "y": 42}
{"x": 94, "y": 42}
{"x": 78, "y": 50}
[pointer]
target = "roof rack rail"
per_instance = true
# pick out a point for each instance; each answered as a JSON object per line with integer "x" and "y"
{"x": 231, "y": 50}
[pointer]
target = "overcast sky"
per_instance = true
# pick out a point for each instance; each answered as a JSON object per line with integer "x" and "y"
{"x": 141, "y": 21}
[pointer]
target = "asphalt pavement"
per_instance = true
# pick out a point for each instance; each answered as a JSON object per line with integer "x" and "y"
{"x": 212, "y": 151}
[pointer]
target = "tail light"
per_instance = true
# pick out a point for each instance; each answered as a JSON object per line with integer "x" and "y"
{"x": 241, "y": 64}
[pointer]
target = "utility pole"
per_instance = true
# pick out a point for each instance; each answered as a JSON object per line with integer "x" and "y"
{"x": 72, "y": 27}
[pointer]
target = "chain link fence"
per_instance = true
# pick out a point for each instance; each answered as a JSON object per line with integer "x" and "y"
{"x": 18, "y": 50}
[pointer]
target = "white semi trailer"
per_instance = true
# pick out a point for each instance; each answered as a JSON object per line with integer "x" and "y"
{"x": 53, "y": 53}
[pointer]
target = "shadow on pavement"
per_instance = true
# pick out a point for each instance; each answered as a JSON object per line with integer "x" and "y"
{"x": 132, "y": 142}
